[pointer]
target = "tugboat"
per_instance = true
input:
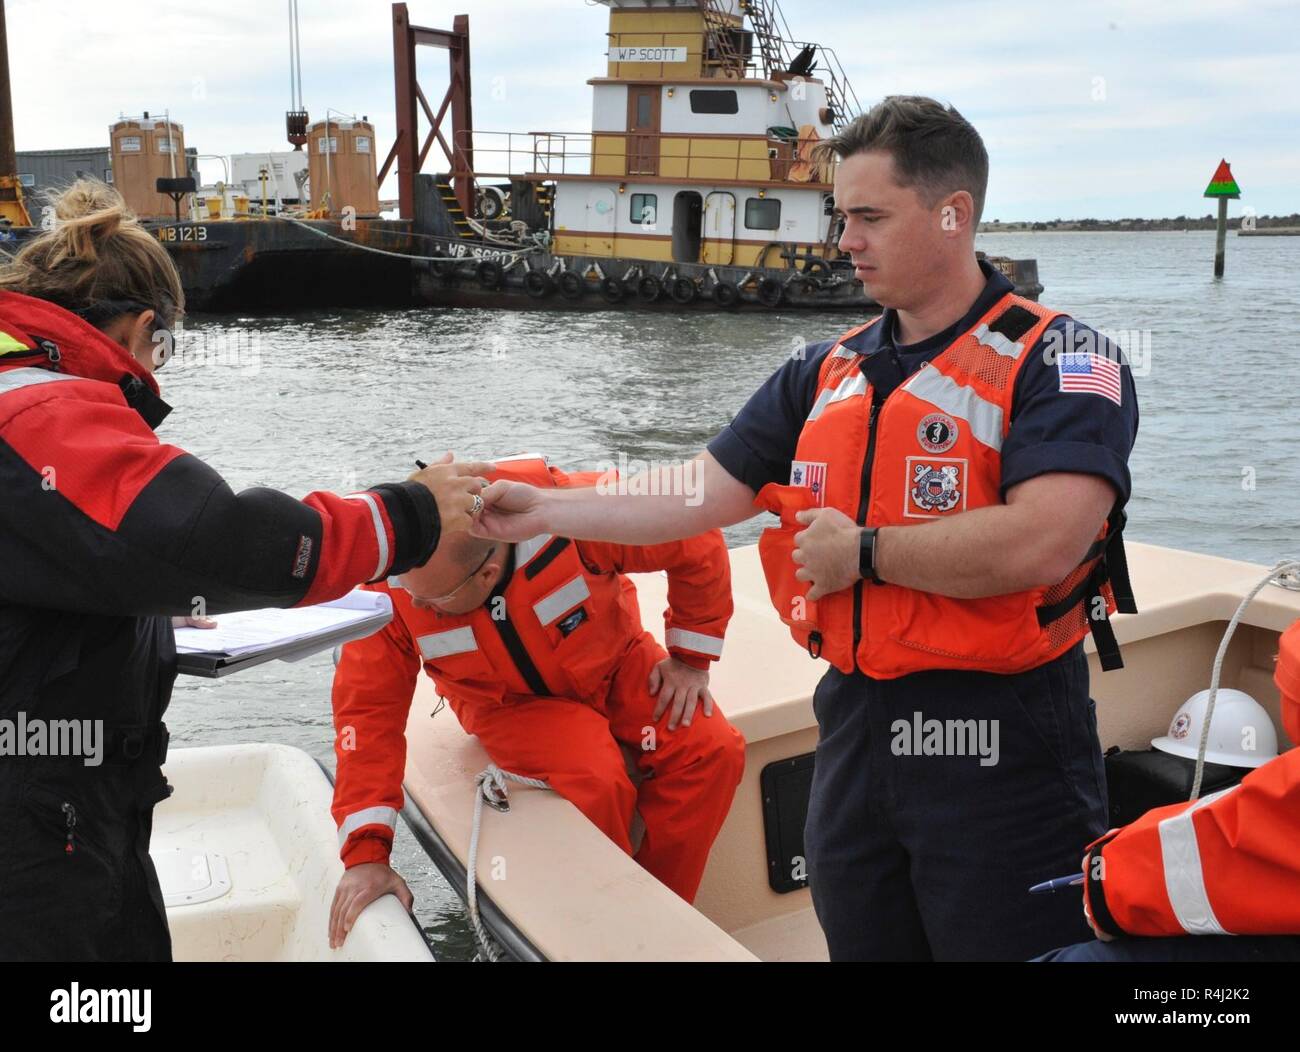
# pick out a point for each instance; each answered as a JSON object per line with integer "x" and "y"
{"x": 696, "y": 185}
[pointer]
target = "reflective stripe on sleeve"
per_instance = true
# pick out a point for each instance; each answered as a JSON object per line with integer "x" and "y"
{"x": 370, "y": 816}
{"x": 696, "y": 641}
{"x": 1184, "y": 878}
{"x": 381, "y": 536}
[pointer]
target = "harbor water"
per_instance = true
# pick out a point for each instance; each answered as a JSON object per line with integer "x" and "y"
{"x": 338, "y": 401}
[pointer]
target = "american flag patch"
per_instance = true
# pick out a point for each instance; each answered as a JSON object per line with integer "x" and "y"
{"x": 812, "y": 476}
{"x": 1089, "y": 373}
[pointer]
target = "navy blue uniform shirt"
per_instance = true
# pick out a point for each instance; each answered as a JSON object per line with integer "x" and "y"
{"x": 1052, "y": 429}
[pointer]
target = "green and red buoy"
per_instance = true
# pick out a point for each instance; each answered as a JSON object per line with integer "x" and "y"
{"x": 1224, "y": 187}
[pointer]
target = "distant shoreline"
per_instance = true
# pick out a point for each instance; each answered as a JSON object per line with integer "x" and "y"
{"x": 1262, "y": 224}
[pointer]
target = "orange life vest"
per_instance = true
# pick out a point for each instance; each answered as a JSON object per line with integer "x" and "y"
{"x": 557, "y": 628}
{"x": 931, "y": 448}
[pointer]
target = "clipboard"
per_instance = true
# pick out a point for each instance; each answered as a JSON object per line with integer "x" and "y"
{"x": 216, "y": 664}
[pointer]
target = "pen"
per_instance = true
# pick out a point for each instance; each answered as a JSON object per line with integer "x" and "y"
{"x": 1057, "y": 884}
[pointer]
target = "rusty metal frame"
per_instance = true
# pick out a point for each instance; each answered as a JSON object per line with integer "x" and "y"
{"x": 409, "y": 156}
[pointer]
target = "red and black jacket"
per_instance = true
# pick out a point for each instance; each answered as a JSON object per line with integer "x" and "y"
{"x": 106, "y": 533}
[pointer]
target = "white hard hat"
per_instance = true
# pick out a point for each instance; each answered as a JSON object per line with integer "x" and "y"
{"x": 1242, "y": 735}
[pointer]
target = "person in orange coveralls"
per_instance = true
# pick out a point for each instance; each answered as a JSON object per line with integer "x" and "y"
{"x": 539, "y": 649}
{"x": 1225, "y": 867}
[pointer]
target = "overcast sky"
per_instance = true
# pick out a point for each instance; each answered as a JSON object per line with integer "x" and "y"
{"x": 1105, "y": 109}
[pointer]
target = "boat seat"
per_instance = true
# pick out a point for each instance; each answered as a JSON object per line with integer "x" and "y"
{"x": 546, "y": 850}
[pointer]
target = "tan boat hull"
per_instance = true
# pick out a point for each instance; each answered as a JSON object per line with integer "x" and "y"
{"x": 572, "y": 895}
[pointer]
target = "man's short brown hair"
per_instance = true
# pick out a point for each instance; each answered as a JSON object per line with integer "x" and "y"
{"x": 936, "y": 150}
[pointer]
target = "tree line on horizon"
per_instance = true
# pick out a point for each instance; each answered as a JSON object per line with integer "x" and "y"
{"x": 1205, "y": 222}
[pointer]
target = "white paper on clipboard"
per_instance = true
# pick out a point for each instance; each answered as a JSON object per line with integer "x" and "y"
{"x": 248, "y": 631}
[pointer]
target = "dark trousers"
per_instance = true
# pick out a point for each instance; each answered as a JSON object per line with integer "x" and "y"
{"x": 99, "y": 901}
{"x": 916, "y": 854}
{"x": 1197, "y": 948}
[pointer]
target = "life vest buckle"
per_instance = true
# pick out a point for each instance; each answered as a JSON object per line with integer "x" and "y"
{"x": 814, "y": 644}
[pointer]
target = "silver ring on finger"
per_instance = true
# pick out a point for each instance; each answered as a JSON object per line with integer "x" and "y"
{"x": 477, "y": 506}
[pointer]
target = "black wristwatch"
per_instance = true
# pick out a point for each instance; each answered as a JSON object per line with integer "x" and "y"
{"x": 867, "y": 555}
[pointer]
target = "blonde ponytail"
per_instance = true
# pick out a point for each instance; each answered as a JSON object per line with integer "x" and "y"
{"x": 96, "y": 255}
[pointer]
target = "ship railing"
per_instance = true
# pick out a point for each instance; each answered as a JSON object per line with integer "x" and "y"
{"x": 502, "y": 154}
{"x": 629, "y": 155}
{"x": 779, "y": 49}
{"x": 840, "y": 96}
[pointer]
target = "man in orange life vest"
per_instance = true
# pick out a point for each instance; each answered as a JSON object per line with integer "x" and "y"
{"x": 1225, "y": 867}
{"x": 950, "y": 479}
{"x": 539, "y": 650}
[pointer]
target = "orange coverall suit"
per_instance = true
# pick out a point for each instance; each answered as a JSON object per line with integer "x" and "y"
{"x": 552, "y": 685}
{"x": 1226, "y": 864}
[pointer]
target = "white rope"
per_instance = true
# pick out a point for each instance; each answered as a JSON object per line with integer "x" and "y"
{"x": 1286, "y": 566}
{"x": 517, "y": 253}
{"x": 490, "y": 786}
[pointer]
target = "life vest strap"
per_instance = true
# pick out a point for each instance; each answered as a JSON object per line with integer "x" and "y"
{"x": 1116, "y": 562}
{"x": 1103, "y": 634}
{"x": 1111, "y": 568}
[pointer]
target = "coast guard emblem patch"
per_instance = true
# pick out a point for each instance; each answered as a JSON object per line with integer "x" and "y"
{"x": 811, "y": 476}
{"x": 934, "y": 486}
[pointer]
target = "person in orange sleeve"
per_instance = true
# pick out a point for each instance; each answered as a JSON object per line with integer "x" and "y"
{"x": 1225, "y": 867}
{"x": 539, "y": 649}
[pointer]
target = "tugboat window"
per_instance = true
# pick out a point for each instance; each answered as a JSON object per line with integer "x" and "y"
{"x": 710, "y": 100}
{"x": 762, "y": 214}
{"x": 644, "y": 208}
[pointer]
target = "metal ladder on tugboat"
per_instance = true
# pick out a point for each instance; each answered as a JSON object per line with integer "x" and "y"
{"x": 777, "y": 48}
{"x": 452, "y": 204}
{"x": 720, "y": 52}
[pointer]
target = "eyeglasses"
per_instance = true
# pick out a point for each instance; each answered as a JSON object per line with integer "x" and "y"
{"x": 102, "y": 311}
{"x": 452, "y": 593}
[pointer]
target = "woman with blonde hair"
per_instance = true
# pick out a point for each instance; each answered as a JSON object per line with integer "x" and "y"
{"x": 106, "y": 534}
